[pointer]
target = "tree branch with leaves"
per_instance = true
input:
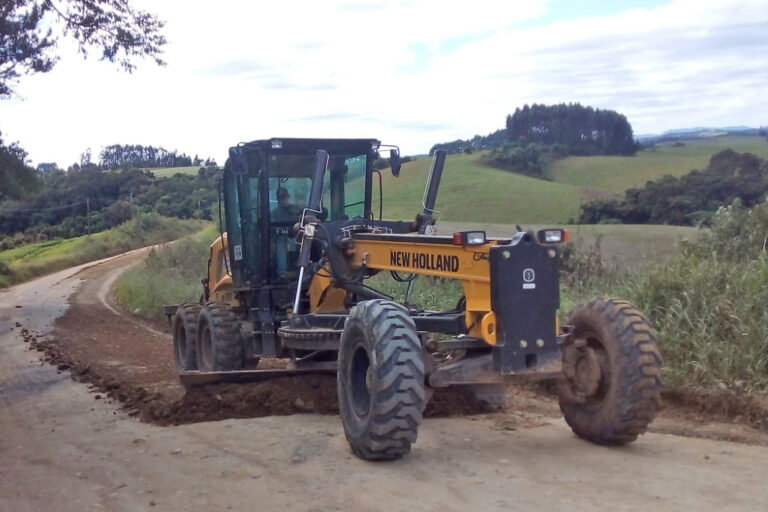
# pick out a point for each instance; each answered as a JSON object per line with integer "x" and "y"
{"x": 30, "y": 30}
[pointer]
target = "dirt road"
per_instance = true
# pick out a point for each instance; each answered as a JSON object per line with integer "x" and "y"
{"x": 62, "y": 449}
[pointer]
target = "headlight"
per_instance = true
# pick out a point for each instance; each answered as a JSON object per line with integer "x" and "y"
{"x": 469, "y": 238}
{"x": 553, "y": 236}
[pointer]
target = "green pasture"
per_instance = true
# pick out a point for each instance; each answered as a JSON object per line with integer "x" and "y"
{"x": 598, "y": 175}
{"x": 29, "y": 261}
{"x": 167, "y": 172}
{"x": 473, "y": 192}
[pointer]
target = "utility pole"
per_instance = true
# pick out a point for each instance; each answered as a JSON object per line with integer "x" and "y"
{"x": 88, "y": 213}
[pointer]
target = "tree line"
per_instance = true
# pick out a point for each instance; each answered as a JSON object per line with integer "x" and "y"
{"x": 538, "y": 133}
{"x": 476, "y": 143}
{"x": 690, "y": 199}
{"x": 117, "y": 156}
{"x": 87, "y": 198}
{"x": 579, "y": 130}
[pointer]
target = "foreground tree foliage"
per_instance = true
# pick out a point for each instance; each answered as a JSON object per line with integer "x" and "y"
{"x": 70, "y": 202}
{"x": 689, "y": 199}
{"x": 30, "y": 29}
{"x": 16, "y": 178}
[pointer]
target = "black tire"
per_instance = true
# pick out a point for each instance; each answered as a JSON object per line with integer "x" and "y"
{"x": 627, "y": 396}
{"x": 185, "y": 336}
{"x": 380, "y": 380}
{"x": 219, "y": 347}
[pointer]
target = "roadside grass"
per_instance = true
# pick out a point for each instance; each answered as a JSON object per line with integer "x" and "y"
{"x": 707, "y": 303}
{"x": 167, "y": 275}
{"x": 615, "y": 174}
{"x": 473, "y": 192}
{"x": 29, "y": 261}
{"x": 429, "y": 293}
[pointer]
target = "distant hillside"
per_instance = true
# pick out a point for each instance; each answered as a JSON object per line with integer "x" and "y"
{"x": 473, "y": 192}
{"x": 690, "y": 199}
{"x": 476, "y": 143}
{"x": 615, "y": 174}
{"x": 699, "y": 132}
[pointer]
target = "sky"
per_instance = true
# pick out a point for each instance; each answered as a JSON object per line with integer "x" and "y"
{"x": 408, "y": 72}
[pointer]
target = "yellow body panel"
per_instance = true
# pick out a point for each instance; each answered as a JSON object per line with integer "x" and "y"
{"x": 467, "y": 263}
{"x": 219, "y": 279}
{"x": 323, "y": 296}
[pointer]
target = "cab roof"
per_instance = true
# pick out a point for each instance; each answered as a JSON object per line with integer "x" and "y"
{"x": 292, "y": 145}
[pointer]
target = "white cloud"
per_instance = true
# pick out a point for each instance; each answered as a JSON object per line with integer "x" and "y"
{"x": 410, "y": 72}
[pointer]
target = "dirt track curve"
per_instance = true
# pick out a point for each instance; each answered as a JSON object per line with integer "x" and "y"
{"x": 62, "y": 448}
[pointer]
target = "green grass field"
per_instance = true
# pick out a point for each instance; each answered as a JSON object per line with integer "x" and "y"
{"x": 615, "y": 174}
{"x": 167, "y": 172}
{"x": 623, "y": 245}
{"x": 29, "y": 261}
{"x": 472, "y": 192}
{"x": 48, "y": 249}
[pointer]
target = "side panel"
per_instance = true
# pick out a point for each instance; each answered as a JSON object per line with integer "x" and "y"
{"x": 242, "y": 209}
{"x": 525, "y": 298}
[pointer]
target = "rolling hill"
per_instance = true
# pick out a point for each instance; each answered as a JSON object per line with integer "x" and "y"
{"x": 614, "y": 174}
{"x": 473, "y": 192}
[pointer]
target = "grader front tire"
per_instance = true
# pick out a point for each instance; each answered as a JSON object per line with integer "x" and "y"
{"x": 614, "y": 388}
{"x": 380, "y": 380}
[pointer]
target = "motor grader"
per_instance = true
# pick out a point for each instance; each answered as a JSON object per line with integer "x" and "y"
{"x": 287, "y": 278}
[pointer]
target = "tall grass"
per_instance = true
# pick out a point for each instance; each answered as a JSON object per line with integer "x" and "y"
{"x": 429, "y": 293}
{"x": 707, "y": 303}
{"x": 29, "y": 261}
{"x": 168, "y": 275}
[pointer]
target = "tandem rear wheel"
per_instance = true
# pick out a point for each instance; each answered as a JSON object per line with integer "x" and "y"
{"x": 219, "y": 344}
{"x": 184, "y": 326}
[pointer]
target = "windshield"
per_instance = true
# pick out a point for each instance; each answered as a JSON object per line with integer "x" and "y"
{"x": 290, "y": 182}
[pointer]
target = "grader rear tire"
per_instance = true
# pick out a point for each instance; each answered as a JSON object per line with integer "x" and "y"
{"x": 380, "y": 380}
{"x": 185, "y": 336}
{"x": 219, "y": 347}
{"x": 615, "y": 388}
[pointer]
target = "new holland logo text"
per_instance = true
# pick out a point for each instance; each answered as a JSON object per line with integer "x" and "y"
{"x": 417, "y": 260}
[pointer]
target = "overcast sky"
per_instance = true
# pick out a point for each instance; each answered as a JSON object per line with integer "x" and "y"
{"x": 408, "y": 72}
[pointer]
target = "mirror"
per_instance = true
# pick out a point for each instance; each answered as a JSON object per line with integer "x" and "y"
{"x": 394, "y": 162}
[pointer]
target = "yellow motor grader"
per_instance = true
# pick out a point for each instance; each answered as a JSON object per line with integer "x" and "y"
{"x": 287, "y": 279}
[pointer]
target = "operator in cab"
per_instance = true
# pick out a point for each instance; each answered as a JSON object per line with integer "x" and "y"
{"x": 285, "y": 211}
{"x": 286, "y": 247}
